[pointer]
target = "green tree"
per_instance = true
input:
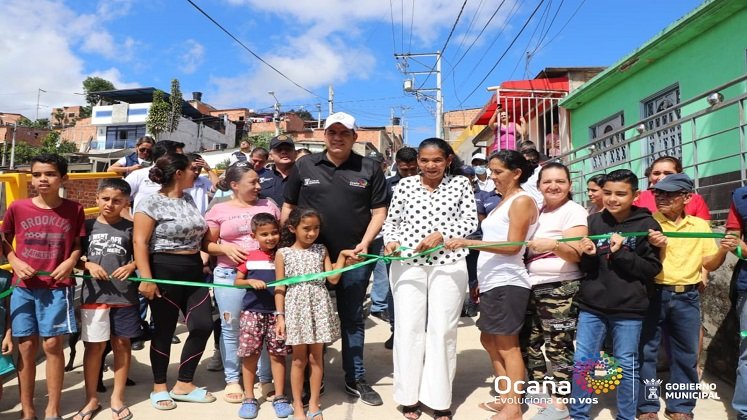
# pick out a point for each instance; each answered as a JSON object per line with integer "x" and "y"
{"x": 59, "y": 117}
{"x": 91, "y": 85}
{"x": 94, "y": 84}
{"x": 157, "y": 120}
{"x": 303, "y": 114}
{"x": 261, "y": 139}
{"x": 223, "y": 165}
{"x": 176, "y": 106}
{"x": 50, "y": 144}
{"x": 40, "y": 123}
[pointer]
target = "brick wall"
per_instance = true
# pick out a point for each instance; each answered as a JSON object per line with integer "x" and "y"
{"x": 80, "y": 190}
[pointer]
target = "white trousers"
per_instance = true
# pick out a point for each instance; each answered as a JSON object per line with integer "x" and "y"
{"x": 427, "y": 304}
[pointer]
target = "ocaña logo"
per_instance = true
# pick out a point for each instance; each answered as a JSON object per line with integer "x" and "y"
{"x": 597, "y": 375}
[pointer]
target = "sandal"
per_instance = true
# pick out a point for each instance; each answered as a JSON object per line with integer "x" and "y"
{"x": 492, "y": 406}
{"x": 282, "y": 407}
{"x": 197, "y": 395}
{"x": 88, "y": 415}
{"x": 162, "y": 396}
{"x": 249, "y": 408}
{"x": 233, "y": 393}
{"x": 442, "y": 415}
{"x": 119, "y": 411}
{"x": 315, "y": 414}
{"x": 412, "y": 412}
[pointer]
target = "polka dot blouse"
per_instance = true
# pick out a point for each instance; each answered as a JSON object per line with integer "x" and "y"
{"x": 415, "y": 213}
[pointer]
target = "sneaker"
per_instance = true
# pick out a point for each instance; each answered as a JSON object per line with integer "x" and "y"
{"x": 175, "y": 340}
{"x": 382, "y": 315}
{"x": 138, "y": 345}
{"x": 215, "y": 364}
{"x": 282, "y": 407}
{"x": 363, "y": 391}
{"x": 389, "y": 343}
{"x": 249, "y": 409}
{"x": 551, "y": 413}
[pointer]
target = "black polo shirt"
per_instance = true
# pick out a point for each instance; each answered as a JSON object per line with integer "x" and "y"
{"x": 344, "y": 195}
{"x": 273, "y": 184}
{"x": 391, "y": 185}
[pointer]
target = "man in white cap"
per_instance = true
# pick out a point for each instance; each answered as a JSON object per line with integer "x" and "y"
{"x": 349, "y": 191}
{"x": 482, "y": 175}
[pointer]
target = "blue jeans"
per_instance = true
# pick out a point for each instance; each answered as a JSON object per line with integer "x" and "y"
{"x": 351, "y": 293}
{"x": 380, "y": 288}
{"x": 679, "y": 314}
{"x": 740, "y": 390}
{"x": 590, "y": 334}
{"x": 229, "y": 309}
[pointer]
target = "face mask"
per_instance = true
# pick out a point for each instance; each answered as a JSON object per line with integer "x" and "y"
{"x": 480, "y": 170}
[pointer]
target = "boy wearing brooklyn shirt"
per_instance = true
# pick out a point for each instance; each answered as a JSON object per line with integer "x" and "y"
{"x": 47, "y": 230}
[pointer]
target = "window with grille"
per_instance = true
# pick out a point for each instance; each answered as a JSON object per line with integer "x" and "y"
{"x": 663, "y": 140}
{"x": 606, "y": 151}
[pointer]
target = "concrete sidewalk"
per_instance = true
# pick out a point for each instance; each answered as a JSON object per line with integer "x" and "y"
{"x": 471, "y": 386}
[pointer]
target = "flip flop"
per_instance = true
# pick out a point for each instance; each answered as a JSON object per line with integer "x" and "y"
{"x": 90, "y": 414}
{"x": 123, "y": 408}
{"x": 156, "y": 397}
{"x": 486, "y": 406}
{"x": 312, "y": 416}
{"x": 198, "y": 395}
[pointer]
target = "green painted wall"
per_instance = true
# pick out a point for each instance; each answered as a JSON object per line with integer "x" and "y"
{"x": 710, "y": 58}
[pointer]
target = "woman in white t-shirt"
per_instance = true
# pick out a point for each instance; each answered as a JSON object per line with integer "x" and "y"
{"x": 502, "y": 277}
{"x": 555, "y": 275}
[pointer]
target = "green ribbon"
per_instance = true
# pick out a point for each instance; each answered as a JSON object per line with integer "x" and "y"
{"x": 744, "y": 334}
{"x": 388, "y": 258}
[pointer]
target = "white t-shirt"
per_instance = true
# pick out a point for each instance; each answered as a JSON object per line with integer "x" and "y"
{"x": 548, "y": 268}
{"x": 233, "y": 159}
{"x": 123, "y": 161}
{"x": 200, "y": 193}
{"x": 487, "y": 185}
{"x": 495, "y": 270}
{"x": 531, "y": 187}
{"x": 141, "y": 185}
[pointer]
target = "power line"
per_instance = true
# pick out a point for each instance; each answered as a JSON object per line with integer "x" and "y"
{"x": 542, "y": 38}
{"x": 506, "y": 51}
{"x": 469, "y": 27}
{"x": 453, "y": 27}
{"x": 394, "y": 40}
{"x": 250, "y": 51}
{"x": 564, "y": 25}
{"x": 511, "y": 15}
{"x": 412, "y": 19}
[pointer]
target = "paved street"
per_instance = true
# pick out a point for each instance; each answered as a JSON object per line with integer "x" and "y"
{"x": 471, "y": 386}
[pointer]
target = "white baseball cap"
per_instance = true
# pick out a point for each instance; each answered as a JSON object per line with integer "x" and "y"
{"x": 480, "y": 156}
{"x": 340, "y": 117}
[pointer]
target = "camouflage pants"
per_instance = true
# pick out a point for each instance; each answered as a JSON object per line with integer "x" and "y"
{"x": 550, "y": 320}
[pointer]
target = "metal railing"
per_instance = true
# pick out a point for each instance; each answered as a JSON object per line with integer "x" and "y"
{"x": 711, "y": 129}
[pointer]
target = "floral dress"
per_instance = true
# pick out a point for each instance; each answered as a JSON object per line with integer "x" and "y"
{"x": 309, "y": 315}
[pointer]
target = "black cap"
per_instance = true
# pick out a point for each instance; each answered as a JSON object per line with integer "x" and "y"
{"x": 675, "y": 182}
{"x": 281, "y": 140}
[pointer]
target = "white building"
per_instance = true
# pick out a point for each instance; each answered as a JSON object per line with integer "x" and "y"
{"x": 118, "y": 126}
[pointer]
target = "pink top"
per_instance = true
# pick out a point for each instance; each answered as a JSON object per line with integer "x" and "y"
{"x": 234, "y": 224}
{"x": 505, "y": 137}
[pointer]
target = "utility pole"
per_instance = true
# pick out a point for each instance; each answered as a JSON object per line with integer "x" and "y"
{"x": 331, "y": 100}
{"x": 276, "y": 114}
{"x": 13, "y": 148}
{"x": 318, "y": 115}
{"x": 409, "y": 84}
{"x": 38, "y": 95}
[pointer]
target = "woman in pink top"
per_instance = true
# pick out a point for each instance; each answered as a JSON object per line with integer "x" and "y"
{"x": 663, "y": 166}
{"x": 506, "y": 132}
{"x": 229, "y": 237}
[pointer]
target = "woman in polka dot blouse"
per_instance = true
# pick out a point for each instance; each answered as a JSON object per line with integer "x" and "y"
{"x": 428, "y": 291}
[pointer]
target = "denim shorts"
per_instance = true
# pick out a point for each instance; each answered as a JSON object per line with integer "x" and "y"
{"x": 43, "y": 312}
